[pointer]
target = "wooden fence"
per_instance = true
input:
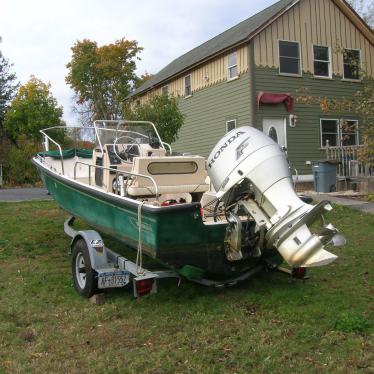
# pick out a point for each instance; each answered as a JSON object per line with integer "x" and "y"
{"x": 349, "y": 164}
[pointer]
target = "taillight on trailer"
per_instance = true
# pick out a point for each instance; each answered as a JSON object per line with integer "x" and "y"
{"x": 299, "y": 273}
{"x": 202, "y": 213}
{"x": 143, "y": 287}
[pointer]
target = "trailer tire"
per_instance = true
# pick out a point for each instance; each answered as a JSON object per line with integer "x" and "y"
{"x": 84, "y": 277}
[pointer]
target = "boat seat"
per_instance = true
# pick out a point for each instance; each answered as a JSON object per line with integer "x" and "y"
{"x": 179, "y": 174}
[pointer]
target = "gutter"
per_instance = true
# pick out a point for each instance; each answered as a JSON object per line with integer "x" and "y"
{"x": 239, "y": 43}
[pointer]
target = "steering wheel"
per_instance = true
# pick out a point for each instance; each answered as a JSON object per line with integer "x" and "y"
{"x": 124, "y": 153}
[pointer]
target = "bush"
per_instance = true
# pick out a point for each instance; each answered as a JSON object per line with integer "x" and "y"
{"x": 371, "y": 198}
{"x": 18, "y": 169}
{"x": 163, "y": 111}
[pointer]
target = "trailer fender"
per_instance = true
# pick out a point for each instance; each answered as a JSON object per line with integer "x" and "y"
{"x": 95, "y": 246}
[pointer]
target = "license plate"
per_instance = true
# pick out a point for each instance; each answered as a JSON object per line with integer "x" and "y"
{"x": 113, "y": 279}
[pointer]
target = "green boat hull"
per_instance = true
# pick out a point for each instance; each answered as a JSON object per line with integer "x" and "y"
{"x": 175, "y": 235}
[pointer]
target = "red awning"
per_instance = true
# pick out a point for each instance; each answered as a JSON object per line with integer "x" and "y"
{"x": 276, "y": 98}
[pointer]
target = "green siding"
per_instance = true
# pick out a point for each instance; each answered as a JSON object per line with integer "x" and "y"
{"x": 303, "y": 141}
{"x": 207, "y": 112}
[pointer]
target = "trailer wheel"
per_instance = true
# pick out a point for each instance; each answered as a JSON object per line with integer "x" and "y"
{"x": 84, "y": 277}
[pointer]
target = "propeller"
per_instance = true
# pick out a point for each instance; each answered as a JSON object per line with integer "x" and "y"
{"x": 329, "y": 235}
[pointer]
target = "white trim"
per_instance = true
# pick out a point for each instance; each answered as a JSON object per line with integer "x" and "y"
{"x": 360, "y": 55}
{"x": 284, "y": 127}
{"x": 239, "y": 44}
{"x": 357, "y": 133}
{"x": 184, "y": 81}
{"x": 231, "y": 120}
{"x": 329, "y": 61}
{"x": 272, "y": 20}
{"x": 285, "y": 132}
{"x": 167, "y": 89}
{"x": 232, "y": 79}
{"x": 323, "y": 146}
{"x": 339, "y": 133}
{"x": 323, "y": 78}
{"x": 232, "y": 66}
{"x": 300, "y": 59}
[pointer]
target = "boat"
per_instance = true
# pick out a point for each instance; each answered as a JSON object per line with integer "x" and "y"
{"x": 218, "y": 218}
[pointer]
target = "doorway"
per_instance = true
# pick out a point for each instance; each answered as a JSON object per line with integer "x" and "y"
{"x": 276, "y": 129}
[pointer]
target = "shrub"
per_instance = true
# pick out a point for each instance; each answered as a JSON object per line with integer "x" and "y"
{"x": 18, "y": 168}
{"x": 163, "y": 111}
{"x": 371, "y": 198}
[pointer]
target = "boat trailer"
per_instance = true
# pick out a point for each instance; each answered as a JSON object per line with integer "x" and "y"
{"x": 96, "y": 267}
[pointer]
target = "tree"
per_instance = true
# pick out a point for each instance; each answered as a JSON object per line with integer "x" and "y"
{"x": 8, "y": 86}
{"x": 102, "y": 77}
{"x": 142, "y": 79}
{"x": 365, "y": 9}
{"x": 163, "y": 111}
{"x": 32, "y": 109}
{"x": 8, "y": 89}
{"x": 364, "y": 100}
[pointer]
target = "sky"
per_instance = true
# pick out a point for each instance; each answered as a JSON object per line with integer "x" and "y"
{"x": 37, "y": 35}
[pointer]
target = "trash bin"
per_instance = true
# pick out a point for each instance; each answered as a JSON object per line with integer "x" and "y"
{"x": 324, "y": 175}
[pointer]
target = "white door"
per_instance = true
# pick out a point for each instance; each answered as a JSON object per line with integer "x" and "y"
{"x": 276, "y": 129}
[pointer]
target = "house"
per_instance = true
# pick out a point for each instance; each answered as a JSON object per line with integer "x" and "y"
{"x": 274, "y": 71}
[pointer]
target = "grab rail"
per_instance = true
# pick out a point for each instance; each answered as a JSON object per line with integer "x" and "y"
{"x": 96, "y": 128}
{"x": 118, "y": 172}
{"x": 59, "y": 148}
{"x": 123, "y": 122}
{"x": 169, "y": 146}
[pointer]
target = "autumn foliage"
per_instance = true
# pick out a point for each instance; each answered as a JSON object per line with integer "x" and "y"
{"x": 102, "y": 77}
{"x": 33, "y": 109}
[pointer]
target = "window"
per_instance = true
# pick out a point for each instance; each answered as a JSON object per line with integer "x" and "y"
{"x": 164, "y": 90}
{"x": 230, "y": 125}
{"x": 232, "y": 66}
{"x": 329, "y": 132}
{"x": 349, "y": 132}
{"x": 187, "y": 86}
{"x": 352, "y": 64}
{"x": 335, "y": 132}
{"x": 289, "y": 58}
{"x": 137, "y": 102}
{"x": 321, "y": 60}
{"x": 273, "y": 134}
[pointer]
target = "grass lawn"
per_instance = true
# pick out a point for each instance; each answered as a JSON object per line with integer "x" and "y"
{"x": 267, "y": 324}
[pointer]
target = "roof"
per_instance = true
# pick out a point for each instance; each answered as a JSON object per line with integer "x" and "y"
{"x": 239, "y": 33}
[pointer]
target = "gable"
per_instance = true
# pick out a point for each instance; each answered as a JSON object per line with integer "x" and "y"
{"x": 316, "y": 22}
{"x": 219, "y": 44}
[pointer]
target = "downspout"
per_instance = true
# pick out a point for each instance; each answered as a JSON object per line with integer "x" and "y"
{"x": 252, "y": 83}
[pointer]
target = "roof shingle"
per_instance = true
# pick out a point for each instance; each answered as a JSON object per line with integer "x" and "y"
{"x": 232, "y": 36}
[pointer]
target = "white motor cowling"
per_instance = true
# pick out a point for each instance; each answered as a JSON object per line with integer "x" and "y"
{"x": 247, "y": 154}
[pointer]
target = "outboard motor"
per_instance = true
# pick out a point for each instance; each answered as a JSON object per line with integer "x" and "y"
{"x": 251, "y": 176}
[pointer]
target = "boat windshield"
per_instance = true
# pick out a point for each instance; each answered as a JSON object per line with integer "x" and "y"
{"x": 125, "y": 132}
